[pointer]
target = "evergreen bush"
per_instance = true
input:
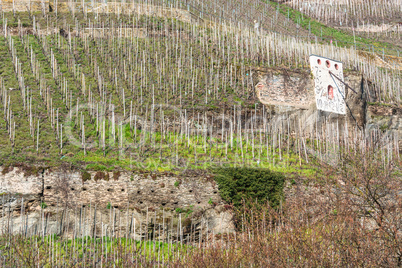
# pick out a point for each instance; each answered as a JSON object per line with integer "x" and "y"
{"x": 242, "y": 183}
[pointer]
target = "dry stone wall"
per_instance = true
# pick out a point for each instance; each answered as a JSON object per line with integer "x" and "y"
{"x": 55, "y": 201}
{"x": 280, "y": 87}
{"x": 16, "y": 182}
{"x": 120, "y": 190}
{"x": 24, "y": 5}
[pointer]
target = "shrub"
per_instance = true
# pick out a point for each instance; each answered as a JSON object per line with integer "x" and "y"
{"x": 85, "y": 176}
{"x": 116, "y": 175}
{"x": 186, "y": 211}
{"x": 99, "y": 176}
{"x": 179, "y": 210}
{"x": 43, "y": 205}
{"x": 238, "y": 184}
{"x": 210, "y": 201}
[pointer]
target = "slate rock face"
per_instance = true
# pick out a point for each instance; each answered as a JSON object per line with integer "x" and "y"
{"x": 356, "y": 101}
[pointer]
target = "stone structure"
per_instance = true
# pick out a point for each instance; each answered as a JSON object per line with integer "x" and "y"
{"x": 133, "y": 190}
{"x": 24, "y": 5}
{"x": 285, "y": 88}
{"x": 138, "y": 195}
{"x": 290, "y": 94}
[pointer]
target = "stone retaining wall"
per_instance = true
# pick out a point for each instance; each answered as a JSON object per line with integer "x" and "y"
{"x": 24, "y": 5}
{"x": 133, "y": 190}
{"x": 56, "y": 202}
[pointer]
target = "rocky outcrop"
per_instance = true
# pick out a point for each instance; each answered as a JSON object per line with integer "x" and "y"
{"x": 289, "y": 98}
{"x": 289, "y": 94}
{"x": 386, "y": 118}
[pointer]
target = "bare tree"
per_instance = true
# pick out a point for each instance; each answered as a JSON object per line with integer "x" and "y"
{"x": 371, "y": 185}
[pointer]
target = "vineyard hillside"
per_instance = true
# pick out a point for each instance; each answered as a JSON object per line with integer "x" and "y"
{"x": 185, "y": 133}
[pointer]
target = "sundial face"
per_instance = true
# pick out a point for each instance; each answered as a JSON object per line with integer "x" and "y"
{"x": 329, "y": 91}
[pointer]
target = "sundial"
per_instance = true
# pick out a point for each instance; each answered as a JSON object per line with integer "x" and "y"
{"x": 329, "y": 83}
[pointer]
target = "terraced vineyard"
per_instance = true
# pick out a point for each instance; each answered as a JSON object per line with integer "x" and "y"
{"x": 172, "y": 88}
{"x": 373, "y": 23}
{"x": 151, "y": 92}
